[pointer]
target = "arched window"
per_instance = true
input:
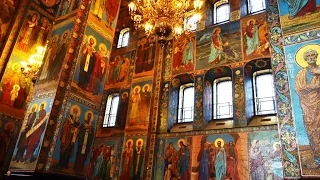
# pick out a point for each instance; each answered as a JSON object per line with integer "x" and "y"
{"x": 221, "y": 11}
{"x": 110, "y": 116}
{"x": 222, "y": 98}
{"x": 123, "y": 40}
{"x": 264, "y": 96}
{"x": 186, "y": 103}
{"x": 256, "y": 6}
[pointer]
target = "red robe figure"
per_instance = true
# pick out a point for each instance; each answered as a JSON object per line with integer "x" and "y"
{"x": 34, "y": 138}
{"x": 6, "y": 89}
{"x": 97, "y": 74}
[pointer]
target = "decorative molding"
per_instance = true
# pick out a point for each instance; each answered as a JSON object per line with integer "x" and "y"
{"x": 286, "y": 130}
{"x": 84, "y": 101}
{"x": 60, "y": 102}
{"x": 301, "y": 37}
{"x": 220, "y": 131}
{"x": 198, "y": 103}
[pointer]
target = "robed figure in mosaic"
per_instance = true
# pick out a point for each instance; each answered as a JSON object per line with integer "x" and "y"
{"x": 308, "y": 88}
{"x": 69, "y": 132}
{"x": 184, "y": 161}
{"x": 127, "y": 160}
{"x": 86, "y": 135}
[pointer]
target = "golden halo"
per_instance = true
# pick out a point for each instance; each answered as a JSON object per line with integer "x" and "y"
{"x": 217, "y": 28}
{"x": 66, "y": 32}
{"x": 34, "y": 13}
{"x": 152, "y": 38}
{"x": 94, "y": 40}
{"x": 55, "y": 37}
{"x": 15, "y": 64}
{"x": 129, "y": 140}
{"x": 216, "y": 142}
{"x": 125, "y": 93}
{"x": 35, "y": 106}
{"x": 86, "y": 113}
{"x": 275, "y": 144}
{"x": 178, "y": 142}
{"x": 144, "y": 39}
{"x": 101, "y": 45}
{"x": 16, "y": 85}
{"x": 299, "y": 55}
{"x": 139, "y": 88}
{"x": 44, "y": 105}
{"x": 139, "y": 140}
{"x": 248, "y": 22}
{"x": 147, "y": 85}
{"x": 75, "y": 107}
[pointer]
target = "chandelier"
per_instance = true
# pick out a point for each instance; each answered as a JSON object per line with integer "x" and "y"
{"x": 161, "y": 17}
{"x": 31, "y": 68}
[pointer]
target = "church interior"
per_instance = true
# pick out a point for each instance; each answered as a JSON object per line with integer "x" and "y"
{"x": 160, "y": 89}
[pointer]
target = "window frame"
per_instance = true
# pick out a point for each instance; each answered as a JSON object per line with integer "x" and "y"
{"x": 255, "y": 12}
{"x": 218, "y": 5}
{"x": 255, "y": 92}
{"x": 107, "y": 115}
{"x": 180, "y": 117}
{"x": 122, "y": 34}
{"x": 215, "y": 94}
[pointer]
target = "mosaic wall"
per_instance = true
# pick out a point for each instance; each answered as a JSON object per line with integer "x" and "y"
{"x": 54, "y": 57}
{"x": 90, "y": 73}
{"x": 20, "y": 73}
{"x": 75, "y": 139}
{"x": 9, "y": 9}
{"x": 28, "y": 145}
{"x": 298, "y": 16}
{"x": 9, "y": 132}
{"x": 133, "y": 155}
{"x": 219, "y": 45}
{"x": 304, "y": 60}
{"x": 241, "y": 46}
{"x": 105, "y": 159}
{"x": 219, "y": 156}
{"x": 286, "y": 124}
{"x": 139, "y": 106}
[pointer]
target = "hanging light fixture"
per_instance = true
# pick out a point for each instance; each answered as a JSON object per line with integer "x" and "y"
{"x": 163, "y": 17}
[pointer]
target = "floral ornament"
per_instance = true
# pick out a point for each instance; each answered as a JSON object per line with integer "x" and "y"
{"x": 287, "y": 137}
{"x": 278, "y": 58}
{"x": 284, "y": 108}
{"x": 260, "y": 63}
{"x": 275, "y": 36}
{"x": 291, "y": 168}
